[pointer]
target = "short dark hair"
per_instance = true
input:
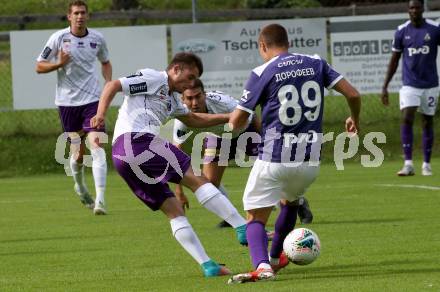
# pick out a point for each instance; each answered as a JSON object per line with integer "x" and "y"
{"x": 274, "y": 35}
{"x": 188, "y": 59}
{"x": 77, "y": 3}
{"x": 199, "y": 84}
{"x": 421, "y": 1}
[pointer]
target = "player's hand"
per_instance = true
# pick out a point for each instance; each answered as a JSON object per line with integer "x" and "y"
{"x": 97, "y": 122}
{"x": 351, "y": 126}
{"x": 63, "y": 58}
{"x": 384, "y": 97}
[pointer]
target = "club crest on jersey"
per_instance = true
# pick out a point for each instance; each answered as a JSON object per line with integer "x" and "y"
{"x": 427, "y": 37}
{"x": 93, "y": 45}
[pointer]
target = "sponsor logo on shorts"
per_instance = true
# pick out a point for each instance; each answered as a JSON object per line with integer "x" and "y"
{"x": 138, "y": 88}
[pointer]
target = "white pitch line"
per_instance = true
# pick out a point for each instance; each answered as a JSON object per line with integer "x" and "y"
{"x": 410, "y": 186}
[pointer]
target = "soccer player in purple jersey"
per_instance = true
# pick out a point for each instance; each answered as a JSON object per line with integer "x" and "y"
{"x": 76, "y": 50}
{"x": 147, "y": 163}
{"x": 417, "y": 40}
{"x": 290, "y": 89}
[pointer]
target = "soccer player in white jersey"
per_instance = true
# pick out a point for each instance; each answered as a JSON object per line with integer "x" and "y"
{"x": 290, "y": 90}
{"x": 72, "y": 52}
{"x": 147, "y": 163}
{"x": 215, "y": 157}
{"x": 417, "y": 40}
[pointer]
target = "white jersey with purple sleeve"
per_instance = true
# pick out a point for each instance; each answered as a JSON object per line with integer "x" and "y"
{"x": 290, "y": 90}
{"x": 78, "y": 80}
{"x": 418, "y": 46}
{"x": 217, "y": 102}
{"x": 147, "y": 104}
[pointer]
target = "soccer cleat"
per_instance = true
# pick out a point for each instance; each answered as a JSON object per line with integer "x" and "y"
{"x": 284, "y": 261}
{"x": 99, "y": 209}
{"x": 212, "y": 269}
{"x": 85, "y": 197}
{"x": 258, "y": 275}
{"x": 241, "y": 234}
{"x": 304, "y": 212}
{"x": 427, "y": 170}
{"x": 407, "y": 170}
{"x": 223, "y": 224}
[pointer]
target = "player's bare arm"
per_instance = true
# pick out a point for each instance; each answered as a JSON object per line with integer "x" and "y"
{"x": 109, "y": 92}
{"x": 202, "y": 120}
{"x": 46, "y": 66}
{"x": 107, "y": 71}
{"x": 392, "y": 67}
{"x": 238, "y": 120}
{"x": 354, "y": 102}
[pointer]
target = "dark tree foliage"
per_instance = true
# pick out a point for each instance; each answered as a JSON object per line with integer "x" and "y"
{"x": 124, "y": 4}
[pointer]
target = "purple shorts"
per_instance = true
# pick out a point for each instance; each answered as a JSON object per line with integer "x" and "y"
{"x": 147, "y": 163}
{"x": 213, "y": 148}
{"x": 77, "y": 118}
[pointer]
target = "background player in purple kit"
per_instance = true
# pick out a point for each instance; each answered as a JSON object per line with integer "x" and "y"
{"x": 76, "y": 49}
{"x": 417, "y": 40}
{"x": 147, "y": 163}
{"x": 290, "y": 90}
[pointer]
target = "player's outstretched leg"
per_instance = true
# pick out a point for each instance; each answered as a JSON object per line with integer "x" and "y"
{"x": 428, "y": 141}
{"x": 185, "y": 235}
{"x": 99, "y": 169}
{"x": 80, "y": 187}
{"x": 284, "y": 224}
{"x": 257, "y": 240}
{"x": 406, "y": 135}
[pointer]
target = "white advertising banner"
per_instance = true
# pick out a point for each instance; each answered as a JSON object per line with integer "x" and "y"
{"x": 229, "y": 51}
{"x": 361, "y": 49}
{"x": 130, "y": 48}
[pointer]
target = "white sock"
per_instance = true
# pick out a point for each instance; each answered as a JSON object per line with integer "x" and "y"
{"x": 408, "y": 162}
{"x": 264, "y": 266}
{"x": 185, "y": 235}
{"x": 99, "y": 169}
{"x": 210, "y": 197}
{"x": 222, "y": 190}
{"x": 78, "y": 175}
{"x": 426, "y": 164}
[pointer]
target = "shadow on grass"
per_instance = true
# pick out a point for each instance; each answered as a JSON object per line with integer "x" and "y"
{"x": 393, "y": 267}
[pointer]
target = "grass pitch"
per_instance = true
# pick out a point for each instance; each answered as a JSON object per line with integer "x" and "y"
{"x": 379, "y": 232}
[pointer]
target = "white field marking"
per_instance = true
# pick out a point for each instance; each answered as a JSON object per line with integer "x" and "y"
{"x": 432, "y": 188}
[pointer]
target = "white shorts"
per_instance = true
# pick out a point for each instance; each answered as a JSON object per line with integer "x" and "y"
{"x": 269, "y": 182}
{"x": 424, "y": 98}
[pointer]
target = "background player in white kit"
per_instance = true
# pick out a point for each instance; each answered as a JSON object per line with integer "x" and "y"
{"x": 417, "y": 40}
{"x": 75, "y": 50}
{"x": 147, "y": 163}
{"x": 199, "y": 101}
{"x": 290, "y": 89}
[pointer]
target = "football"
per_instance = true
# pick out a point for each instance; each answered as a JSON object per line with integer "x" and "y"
{"x": 302, "y": 246}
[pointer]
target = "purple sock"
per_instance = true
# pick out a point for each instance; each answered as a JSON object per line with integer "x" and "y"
{"x": 428, "y": 140}
{"x": 406, "y": 134}
{"x": 257, "y": 242}
{"x": 285, "y": 223}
